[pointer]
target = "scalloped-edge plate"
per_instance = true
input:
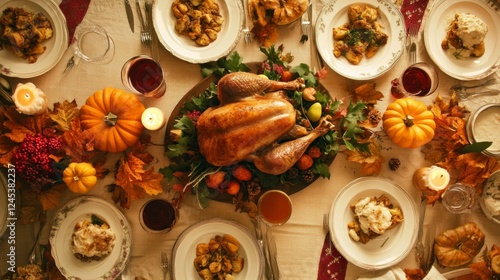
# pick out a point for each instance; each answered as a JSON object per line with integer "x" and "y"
{"x": 186, "y": 49}
{"x": 334, "y": 14}
{"x": 473, "y": 68}
{"x": 13, "y": 66}
{"x": 61, "y": 233}
{"x": 386, "y": 250}
{"x": 184, "y": 251}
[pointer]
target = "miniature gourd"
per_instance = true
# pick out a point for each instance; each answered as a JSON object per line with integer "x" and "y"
{"x": 80, "y": 177}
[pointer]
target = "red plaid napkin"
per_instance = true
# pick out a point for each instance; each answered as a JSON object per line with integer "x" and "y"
{"x": 74, "y": 11}
{"x": 413, "y": 11}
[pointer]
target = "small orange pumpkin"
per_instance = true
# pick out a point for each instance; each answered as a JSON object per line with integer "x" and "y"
{"x": 114, "y": 118}
{"x": 80, "y": 177}
{"x": 408, "y": 123}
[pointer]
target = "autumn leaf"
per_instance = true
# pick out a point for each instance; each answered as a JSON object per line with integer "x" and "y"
{"x": 50, "y": 198}
{"x": 367, "y": 93}
{"x": 371, "y": 163}
{"x": 63, "y": 114}
{"x": 133, "y": 177}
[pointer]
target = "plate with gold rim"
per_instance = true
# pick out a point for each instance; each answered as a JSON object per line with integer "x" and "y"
{"x": 13, "y": 66}
{"x": 334, "y": 14}
{"x": 111, "y": 266}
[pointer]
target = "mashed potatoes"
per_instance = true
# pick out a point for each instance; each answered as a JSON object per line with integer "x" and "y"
{"x": 465, "y": 35}
{"x": 92, "y": 239}
{"x": 492, "y": 196}
{"x": 373, "y": 217}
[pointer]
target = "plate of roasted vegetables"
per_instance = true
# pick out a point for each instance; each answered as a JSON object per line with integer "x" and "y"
{"x": 198, "y": 31}
{"x": 360, "y": 40}
{"x": 30, "y": 56}
{"x": 217, "y": 248}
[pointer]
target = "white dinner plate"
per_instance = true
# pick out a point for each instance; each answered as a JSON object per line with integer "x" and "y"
{"x": 334, "y": 14}
{"x": 186, "y": 49}
{"x": 184, "y": 251}
{"x": 62, "y": 230}
{"x": 13, "y": 66}
{"x": 389, "y": 248}
{"x": 472, "y": 68}
{"x": 3, "y": 203}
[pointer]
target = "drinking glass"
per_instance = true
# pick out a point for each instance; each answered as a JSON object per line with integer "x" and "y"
{"x": 460, "y": 198}
{"x": 275, "y": 207}
{"x": 419, "y": 79}
{"x": 158, "y": 216}
{"x": 144, "y": 76}
{"x": 92, "y": 43}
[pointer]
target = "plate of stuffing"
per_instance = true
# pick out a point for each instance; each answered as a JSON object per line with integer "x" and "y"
{"x": 360, "y": 40}
{"x": 198, "y": 31}
{"x": 373, "y": 223}
{"x": 30, "y": 56}
{"x": 217, "y": 248}
{"x": 464, "y": 41}
{"x": 90, "y": 239}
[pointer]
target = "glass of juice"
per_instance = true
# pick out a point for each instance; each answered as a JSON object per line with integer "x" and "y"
{"x": 144, "y": 76}
{"x": 275, "y": 207}
{"x": 419, "y": 79}
{"x": 158, "y": 216}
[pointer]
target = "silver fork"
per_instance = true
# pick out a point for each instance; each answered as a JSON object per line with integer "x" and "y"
{"x": 164, "y": 263}
{"x": 413, "y": 37}
{"x": 247, "y": 34}
{"x": 306, "y": 24}
{"x": 145, "y": 33}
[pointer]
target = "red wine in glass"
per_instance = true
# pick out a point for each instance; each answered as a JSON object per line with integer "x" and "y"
{"x": 145, "y": 75}
{"x": 416, "y": 81}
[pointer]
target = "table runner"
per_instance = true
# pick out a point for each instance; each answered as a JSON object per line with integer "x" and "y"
{"x": 74, "y": 11}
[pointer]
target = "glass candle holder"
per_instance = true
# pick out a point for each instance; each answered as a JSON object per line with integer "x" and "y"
{"x": 460, "y": 198}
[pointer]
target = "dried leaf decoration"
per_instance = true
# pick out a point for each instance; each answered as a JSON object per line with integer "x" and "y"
{"x": 367, "y": 93}
{"x": 63, "y": 113}
{"x": 371, "y": 163}
{"x": 133, "y": 178}
{"x": 451, "y": 136}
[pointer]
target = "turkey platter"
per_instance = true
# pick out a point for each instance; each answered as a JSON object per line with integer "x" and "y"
{"x": 255, "y": 122}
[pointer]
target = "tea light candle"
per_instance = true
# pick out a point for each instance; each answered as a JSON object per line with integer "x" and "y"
{"x": 434, "y": 178}
{"x": 153, "y": 119}
{"x": 29, "y": 99}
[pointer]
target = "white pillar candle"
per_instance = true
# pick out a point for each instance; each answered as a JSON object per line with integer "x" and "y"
{"x": 434, "y": 178}
{"x": 153, "y": 119}
{"x": 29, "y": 99}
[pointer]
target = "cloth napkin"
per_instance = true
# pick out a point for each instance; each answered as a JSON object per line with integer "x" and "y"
{"x": 332, "y": 266}
{"x": 74, "y": 11}
{"x": 413, "y": 12}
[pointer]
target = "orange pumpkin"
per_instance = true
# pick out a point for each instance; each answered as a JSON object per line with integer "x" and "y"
{"x": 408, "y": 123}
{"x": 114, "y": 118}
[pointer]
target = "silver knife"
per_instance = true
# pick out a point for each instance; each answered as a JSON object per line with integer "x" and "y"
{"x": 273, "y": 256}
{"x": 130, "y": 14}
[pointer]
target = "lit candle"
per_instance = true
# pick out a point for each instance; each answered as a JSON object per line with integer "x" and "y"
{"x": 153, "y": 119}
{"x": 29, "y": 99}
{"x": 434, "y": 178}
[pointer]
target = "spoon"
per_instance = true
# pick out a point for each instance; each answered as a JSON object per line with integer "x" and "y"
{"x": 6, "y": 90}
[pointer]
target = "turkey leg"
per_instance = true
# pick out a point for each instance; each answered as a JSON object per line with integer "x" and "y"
{"x": 279, "y": 158}
{"x": 239, "y": 85}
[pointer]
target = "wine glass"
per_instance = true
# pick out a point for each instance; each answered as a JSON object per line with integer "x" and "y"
{"x": 144, "y": 76}
{"x": 419, "y": 79}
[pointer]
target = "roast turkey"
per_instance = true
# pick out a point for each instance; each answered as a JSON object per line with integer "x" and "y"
{"x": 251, "y": 122}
